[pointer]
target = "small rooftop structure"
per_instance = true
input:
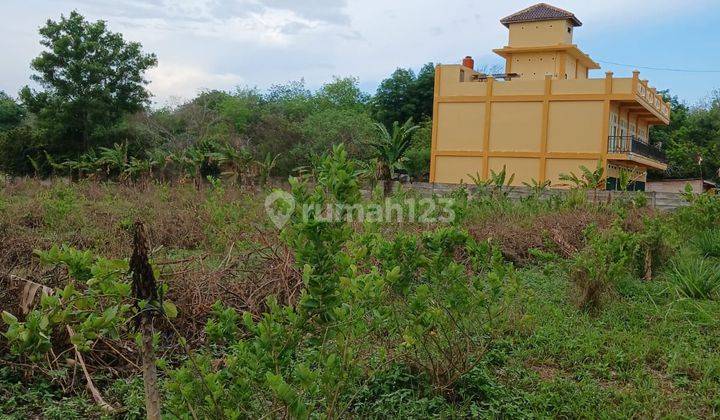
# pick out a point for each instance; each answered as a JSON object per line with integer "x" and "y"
{"x": 540, "y": 12}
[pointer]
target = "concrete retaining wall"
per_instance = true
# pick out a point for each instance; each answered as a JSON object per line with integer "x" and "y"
{"x": 656, "y": 199}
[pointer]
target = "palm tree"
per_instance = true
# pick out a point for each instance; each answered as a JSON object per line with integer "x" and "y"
{"x": 390, "y": 149}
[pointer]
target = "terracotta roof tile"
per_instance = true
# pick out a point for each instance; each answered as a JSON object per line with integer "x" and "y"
{"x": 538, "y": 12}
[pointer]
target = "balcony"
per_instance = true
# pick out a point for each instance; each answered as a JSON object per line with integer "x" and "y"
{"x": 630, "y": 148}
{"x": 651, "y": 98}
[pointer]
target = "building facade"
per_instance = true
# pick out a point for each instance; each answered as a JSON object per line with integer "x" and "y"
{"x": 544, "y": 116}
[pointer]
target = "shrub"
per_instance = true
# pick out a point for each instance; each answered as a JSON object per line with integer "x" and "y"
{"x": 608, "y": 256}
{"x": 703, "y": 211}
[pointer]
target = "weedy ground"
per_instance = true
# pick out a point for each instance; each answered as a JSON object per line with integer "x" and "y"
{"x": 584, "y": 333}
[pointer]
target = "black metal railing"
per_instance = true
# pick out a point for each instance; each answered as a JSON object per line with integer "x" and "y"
{"x": 631, "y": 144}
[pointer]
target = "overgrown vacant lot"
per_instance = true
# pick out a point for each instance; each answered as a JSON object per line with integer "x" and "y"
{"x": 532, "y": 308}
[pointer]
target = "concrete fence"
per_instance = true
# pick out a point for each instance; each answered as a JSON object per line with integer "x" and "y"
{"x": 655, "y": 199}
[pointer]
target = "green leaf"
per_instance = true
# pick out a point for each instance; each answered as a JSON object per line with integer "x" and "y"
{"x": 77, "y": 340}
{"x": 170, "y": 309}
{"x": 9, "y": 318}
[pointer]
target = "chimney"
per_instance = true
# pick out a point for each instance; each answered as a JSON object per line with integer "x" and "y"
{"x": 468, "y": 62}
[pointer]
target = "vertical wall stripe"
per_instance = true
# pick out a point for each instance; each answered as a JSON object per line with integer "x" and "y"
{"x": 606, "y": 120}
{"x": 486, "y": 128}
{"x": 544, "y": 128}
{"x": 433, "y": 144}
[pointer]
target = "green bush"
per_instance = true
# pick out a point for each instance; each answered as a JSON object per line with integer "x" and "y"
{"x": 608, "y": 256}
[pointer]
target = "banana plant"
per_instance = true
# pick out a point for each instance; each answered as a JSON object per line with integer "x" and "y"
{"x": 233, "y": 162}
{"x": 536, "y": 187}
{"x": 588, "y": 180}
{"x": 498, "y": 183}
{"x": 625, "y": 179}
{"x": 160, "y": 160}
{"x": 138, "y": 169}
{"x": 87, "y": 163}
{"x": 36, "y": 166}
{"x": 265, "y": 168}
{"x": 193, "y": 160}
{"x": 114, "y": 161}
{"x": 61, "y": 167}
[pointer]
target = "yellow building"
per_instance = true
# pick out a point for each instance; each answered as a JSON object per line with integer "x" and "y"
{"x": 544, "y": 116}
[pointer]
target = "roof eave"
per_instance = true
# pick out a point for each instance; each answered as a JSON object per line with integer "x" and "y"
{"x": 569, "y": 48}
{"x": 575, "y": 21}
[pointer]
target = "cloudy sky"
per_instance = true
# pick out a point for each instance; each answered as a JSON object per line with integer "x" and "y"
{"x": 220, "y": 44}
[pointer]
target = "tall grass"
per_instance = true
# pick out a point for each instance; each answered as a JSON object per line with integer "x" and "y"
{"x": 708, "y": 243}
{"x": 694, "y": 277}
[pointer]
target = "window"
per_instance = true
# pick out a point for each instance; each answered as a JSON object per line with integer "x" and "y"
{"x": 613, "y": 142}
{"x": 462, "y": 75}
{"x": 613, "y": 124}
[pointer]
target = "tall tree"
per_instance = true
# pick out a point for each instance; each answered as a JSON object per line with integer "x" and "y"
{"x": 11, "y": 113}
{"x": 91, "y": 77}
{"x": 692, "y": 140}
{"x": 405, "y": 95}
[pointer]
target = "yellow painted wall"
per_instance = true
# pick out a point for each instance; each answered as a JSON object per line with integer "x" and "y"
{"x": 519, "y": 87}
{"x": 453, "y": 169}
{"x": 575, "y": 126}
{"x": 570, "y": 68}
{"x": 450, "y": 84}
{"x": 524, "y": 169}
{"x": 622, "y": 85}
{"x": 535, "y": 65}
{"x": 550, "y": 32}
{"x": 578, "y": 86}
{"x": 460, "y": 126}
{"x": 582, "y": 71}
{"x": 507, "y": 134}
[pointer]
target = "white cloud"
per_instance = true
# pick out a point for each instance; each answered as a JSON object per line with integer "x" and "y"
{"x": 170, "y": 81}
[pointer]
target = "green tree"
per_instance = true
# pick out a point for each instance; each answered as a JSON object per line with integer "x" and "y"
{"x": 11, "y": 113}
{"x": 405, "y": 95}
{"x": 343, "y": 93}
{"x": 91, "y": 78}
{"x": 693, "y": 133}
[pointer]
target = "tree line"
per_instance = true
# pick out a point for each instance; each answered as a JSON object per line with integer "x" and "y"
{"x": 92, "y": 102}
